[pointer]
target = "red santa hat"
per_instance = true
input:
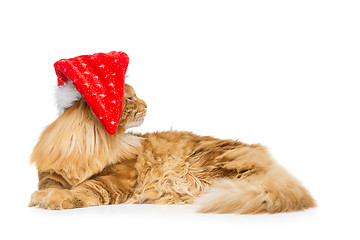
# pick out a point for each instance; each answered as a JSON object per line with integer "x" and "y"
{"x": 99, "y": 79}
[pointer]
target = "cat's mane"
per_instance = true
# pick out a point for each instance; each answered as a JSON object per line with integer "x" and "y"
{"x": 76, "y": 145}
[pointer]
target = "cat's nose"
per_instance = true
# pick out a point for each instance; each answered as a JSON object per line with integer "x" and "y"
{"x": 144, "y": 103}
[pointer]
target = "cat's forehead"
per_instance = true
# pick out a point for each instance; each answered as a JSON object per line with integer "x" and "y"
{"x": 129, "y": 90}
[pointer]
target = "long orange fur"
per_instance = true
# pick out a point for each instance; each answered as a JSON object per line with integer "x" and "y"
{"x": 80, "y": 165}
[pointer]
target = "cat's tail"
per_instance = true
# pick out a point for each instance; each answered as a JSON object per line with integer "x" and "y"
{"x": 272, "y": 192}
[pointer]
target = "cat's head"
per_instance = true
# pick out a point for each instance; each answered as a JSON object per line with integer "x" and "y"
{"x": 134, "y": 109}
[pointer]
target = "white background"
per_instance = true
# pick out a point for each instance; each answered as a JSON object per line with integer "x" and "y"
{"x": 283, "y": 73}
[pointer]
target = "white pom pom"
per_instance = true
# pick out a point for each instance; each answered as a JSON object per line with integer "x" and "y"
{"x": 66, "y": 95}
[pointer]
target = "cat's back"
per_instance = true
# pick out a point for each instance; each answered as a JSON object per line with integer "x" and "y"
{"x": 184, "y": 144}
{"x": 172, "y": 142}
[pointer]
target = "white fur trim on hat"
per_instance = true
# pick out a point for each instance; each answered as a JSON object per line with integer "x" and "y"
{"x": 66, "y": 95}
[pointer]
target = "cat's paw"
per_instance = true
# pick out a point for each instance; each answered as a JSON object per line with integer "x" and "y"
{"x": 54, "y": 199}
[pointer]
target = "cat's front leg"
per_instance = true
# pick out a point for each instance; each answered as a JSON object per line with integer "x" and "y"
{"x": 51, "y": 194}
{"x": 51, "y": 179}
{"x": 113, "y": 185}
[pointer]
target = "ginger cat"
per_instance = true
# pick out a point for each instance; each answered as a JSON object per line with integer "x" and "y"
{"x": 80, "y": 165}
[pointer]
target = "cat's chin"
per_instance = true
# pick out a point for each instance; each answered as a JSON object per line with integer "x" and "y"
{"x": 134, "y": 123}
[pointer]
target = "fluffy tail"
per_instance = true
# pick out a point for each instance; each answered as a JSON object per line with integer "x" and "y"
{"x": 272, "y": 192}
